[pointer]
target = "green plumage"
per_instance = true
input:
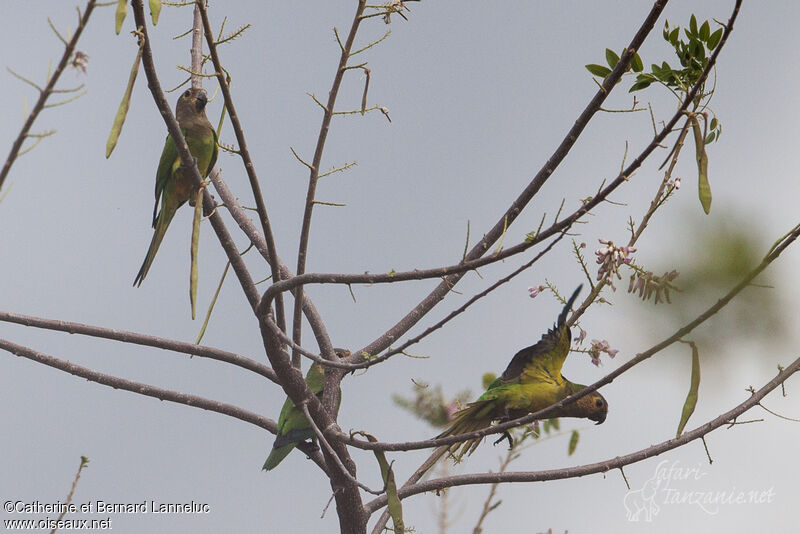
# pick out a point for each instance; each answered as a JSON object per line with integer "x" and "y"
{"x": 293, "y": 427}
{"x": 531, "y": 382}
{"x": 173, "y": 186}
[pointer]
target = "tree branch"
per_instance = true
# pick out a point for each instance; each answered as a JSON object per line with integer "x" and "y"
{"x": 314, "y": 174}
{"x": 246, "y": 159}
{"x": 136, "y": 338}
{"x": 244, "y": 222}
{"x": 159, "y": 393}
{"x": 45, "y": 93}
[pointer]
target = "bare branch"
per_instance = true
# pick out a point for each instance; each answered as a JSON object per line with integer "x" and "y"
{"x": 153, "y": 391}
{"x": 125, "y": 336}
{"x": 313, "y": 177}
{"x": 244, "y": 153}
{"x": 140, "y": 388}
{"x": 46, "y": 92}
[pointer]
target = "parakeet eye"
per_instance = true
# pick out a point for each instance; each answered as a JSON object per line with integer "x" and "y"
{"x": 187, "y": 94}
{"x": 598, "y": 403}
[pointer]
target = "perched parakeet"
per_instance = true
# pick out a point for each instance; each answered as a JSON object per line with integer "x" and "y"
{"x": 531, "y": 382}
{"x": 293, "y": 427}
{"x": 173, "y": 186}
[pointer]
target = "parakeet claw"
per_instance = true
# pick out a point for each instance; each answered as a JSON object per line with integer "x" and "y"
{"x": 505, "y": 435}
{"x": 314, "y": 447}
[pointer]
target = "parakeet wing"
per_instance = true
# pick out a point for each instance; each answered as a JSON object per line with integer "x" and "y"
{"x": 169, "y": 156}
{"x": 543, "y": 360}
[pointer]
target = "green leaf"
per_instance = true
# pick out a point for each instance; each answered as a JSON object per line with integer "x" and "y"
{"x": 705, "y": 30}
{"x": 198, "y": 215}
{"x": 638, "y": 86}
{"x": 696, "y": 49}
{"x": 713, "y": 124}
{"x": 554, "y": 423}
{"x": 122, "y": 111}
{"x": 710, "y": 137}
{"x": 598, "y": 70}
{"x": 713, "y": 39}
{"x": 119, "y": 17}
{"x": 691, "y": 398}
{"x": 693, "y": 24}
{"x": 573, "y": 442}
{"x": 636, "y": 63}
{"x": 211, "y": 305}
{"x": 394, "y": 505}
{"x": 611, "y": 58}
{"x": 673, "y": 37}
{"x": 704, "y": 188}
{"x": 155, "y": 10}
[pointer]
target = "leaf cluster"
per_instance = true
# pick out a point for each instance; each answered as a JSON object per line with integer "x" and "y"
{"x": 693, "y": 54}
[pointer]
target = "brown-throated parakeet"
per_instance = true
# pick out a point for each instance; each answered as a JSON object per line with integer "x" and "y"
{"x": 174, "y": 186}
{"x": 293, "y": 427}
{"x": 531, "y": 382}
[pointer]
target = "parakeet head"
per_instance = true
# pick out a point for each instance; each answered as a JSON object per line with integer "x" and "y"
{"x": 593, "y": 406}
{"x": 191, "y": 102}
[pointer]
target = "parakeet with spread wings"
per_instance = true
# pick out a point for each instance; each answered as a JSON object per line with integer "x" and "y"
{"x": 531, "y": 382}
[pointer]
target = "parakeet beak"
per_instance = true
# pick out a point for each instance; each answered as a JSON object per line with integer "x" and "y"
{"x": 201, "y": 100}
{"x": 600, "y": 418}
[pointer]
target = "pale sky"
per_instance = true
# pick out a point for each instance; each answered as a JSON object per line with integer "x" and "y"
{"x": 479, "y": 96}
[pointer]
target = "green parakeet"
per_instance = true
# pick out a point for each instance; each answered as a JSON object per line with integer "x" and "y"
{"x": 173, "y": 188}
{"x": 531, "y": 382}
{"x": 293, "y": 427}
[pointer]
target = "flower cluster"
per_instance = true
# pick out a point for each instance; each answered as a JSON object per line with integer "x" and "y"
{"x": 610, "y": 258}
{"x": 676, "y": 183}
{"x": 648, "y": 285}
{"x": 599, "y": 347}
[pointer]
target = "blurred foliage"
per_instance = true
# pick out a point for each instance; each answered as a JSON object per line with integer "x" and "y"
{"x": 716, "y": 259}
{"x": 428, "y": 403}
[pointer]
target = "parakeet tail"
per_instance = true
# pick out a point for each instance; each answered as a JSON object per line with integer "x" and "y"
{"x": 277, "y": 455}
{"x": 162, "y": 223}
{"x": 473, "y": 417}
{"x": 562, "y": 317}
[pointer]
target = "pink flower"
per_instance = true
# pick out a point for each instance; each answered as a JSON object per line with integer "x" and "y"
{"x": 534, "y": 291}
{"x": 610, "y": 258}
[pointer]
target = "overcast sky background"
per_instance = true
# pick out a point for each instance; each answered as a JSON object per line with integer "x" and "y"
{"x": 479, "y": 96}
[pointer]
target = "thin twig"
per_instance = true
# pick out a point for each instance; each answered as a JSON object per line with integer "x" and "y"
{"x": 302, "y": 251}
{"x": 46, "y": 92}
{"x": 330, "y": 452}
